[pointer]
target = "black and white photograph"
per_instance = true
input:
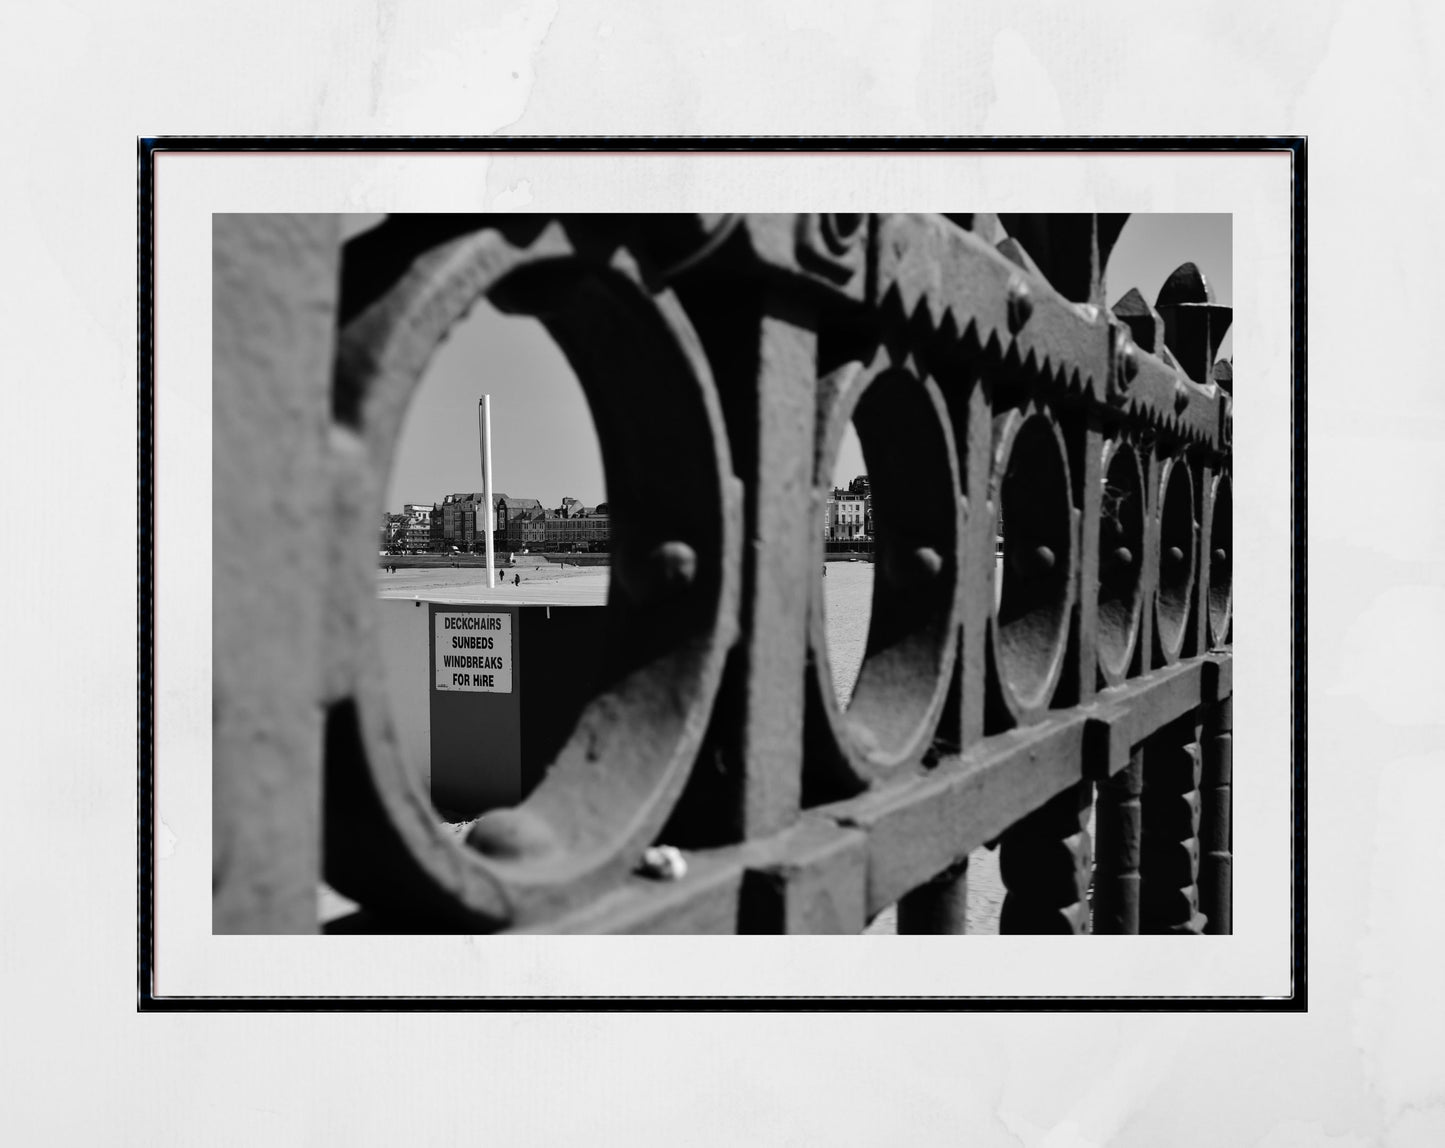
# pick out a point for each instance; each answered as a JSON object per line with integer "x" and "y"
{"x": 727, "y": 573}
{"x": 594, "y": 578}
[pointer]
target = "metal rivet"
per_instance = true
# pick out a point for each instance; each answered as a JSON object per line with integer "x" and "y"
{"x": 1020, "y": 304}
{"x": 1175, "y": 554}
{"x": 913, "y": 569}
{"x": 511, "y": 833}
{"x": 1219, "y": 555}
{"x": 1034, "y": 562}
{"x": 667, "y": 569}
{"x": 1126, "y": 360}
{"x": 863, "y": 738}
{"x": 675, "y": 563}
{"x": 1123, "y": 556}
{"x": 927, "y": 562}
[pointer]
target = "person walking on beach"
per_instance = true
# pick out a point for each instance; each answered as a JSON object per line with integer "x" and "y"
{"x": 516, "y": 579}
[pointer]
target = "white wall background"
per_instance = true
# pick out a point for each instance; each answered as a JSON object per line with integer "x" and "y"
{"x": 78, "y": 83}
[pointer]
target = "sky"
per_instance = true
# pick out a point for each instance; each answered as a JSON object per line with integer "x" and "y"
{"x": 543, "y": 442}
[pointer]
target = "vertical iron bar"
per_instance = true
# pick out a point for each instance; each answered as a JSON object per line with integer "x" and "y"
{"x": 940, "y": 906}
{"x": 1116, "y": 875}
{"x": 1044, "y": 863}
{"x": 274, "y": 284}
{"x": 762, "y": 349}
{"x": 1084, "y": 642}
{"x": 974, "y": 435}
{"x": 1216, "y": 829}
{"x": 1169, "y": 892}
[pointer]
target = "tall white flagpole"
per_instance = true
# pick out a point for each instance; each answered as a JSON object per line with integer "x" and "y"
{"x": 484, "y": 429}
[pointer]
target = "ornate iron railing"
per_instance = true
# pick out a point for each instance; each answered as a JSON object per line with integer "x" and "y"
{"x": 722, "y": 358}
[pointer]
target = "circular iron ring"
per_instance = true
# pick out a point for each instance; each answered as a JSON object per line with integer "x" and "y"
{"x": 1121, "y": 560}
{"x": 672, "y": 602}
{"x": 1029, "y": 626}
{"x": 1178, "y": 539}
{"x": 903, "y": 425}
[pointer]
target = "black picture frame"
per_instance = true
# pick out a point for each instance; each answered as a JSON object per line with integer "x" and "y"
{"x": 150, "y": 148}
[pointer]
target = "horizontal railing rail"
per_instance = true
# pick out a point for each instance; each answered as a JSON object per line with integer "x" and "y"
{"x": 1011, "y": 693}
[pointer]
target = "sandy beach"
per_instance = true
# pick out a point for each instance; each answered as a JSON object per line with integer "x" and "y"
{"x": 540, "y": 585}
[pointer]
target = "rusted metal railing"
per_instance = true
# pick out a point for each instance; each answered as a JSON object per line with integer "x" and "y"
{"x": 723, "y": 358}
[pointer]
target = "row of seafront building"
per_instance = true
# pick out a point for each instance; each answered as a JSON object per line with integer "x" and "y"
{"x": 520, "y": 524}
{"x": 525, "y": 524}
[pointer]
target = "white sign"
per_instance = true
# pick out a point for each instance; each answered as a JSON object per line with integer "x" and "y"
{"x": 474, "y": 652}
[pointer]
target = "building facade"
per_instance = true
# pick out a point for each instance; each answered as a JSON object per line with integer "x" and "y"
{"x": 418, "y": 528}
{"x": 848, "y": 513}
{"x": 847, "y": 517}
{"x": 459, "y": 519}
{"x": 517, "y": 523}
{"x": 574, "y": 527}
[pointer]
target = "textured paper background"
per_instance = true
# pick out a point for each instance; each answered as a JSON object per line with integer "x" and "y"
{"x": 80, "y": 81}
